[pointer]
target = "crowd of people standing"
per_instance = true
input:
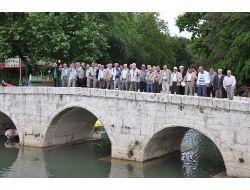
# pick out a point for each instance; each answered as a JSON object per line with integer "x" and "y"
{"x": 146, "y": 79}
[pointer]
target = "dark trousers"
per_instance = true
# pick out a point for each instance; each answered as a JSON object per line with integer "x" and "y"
{"x": 84, "y": 82}
{"x": 143, "y": 86}
{"x": 202, "y": 90}
{"x": 210, "y": 90}
{"x": 157, "y": 87}
{"x": 175, "y": 88}
{"x": 55, "y": 82}
{"x": 102, "y": 84}
{"x": 182, "y": 90}
{"x": 79, "y": 82}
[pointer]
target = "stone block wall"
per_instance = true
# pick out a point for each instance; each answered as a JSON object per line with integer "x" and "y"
{"x": 135, "y": 122}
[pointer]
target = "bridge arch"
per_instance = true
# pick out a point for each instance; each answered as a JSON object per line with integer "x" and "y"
{"x": 7, "y": 121}
{"x": 72, "y": 123}
{"x": 168, "y": 139}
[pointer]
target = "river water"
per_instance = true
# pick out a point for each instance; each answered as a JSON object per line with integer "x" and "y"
{"x": 92, "y": 159}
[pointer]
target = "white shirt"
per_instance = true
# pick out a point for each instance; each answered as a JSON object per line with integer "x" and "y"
{"x": 124, "y": 73}
{"x": 113, "y": 73}
{"x": 133, "y": 74}
{"x": 101, "y": 74}
{"x": 92, "y": 71}
{"x": 65, "y": 72}
{"x": 229, "y": 81}
{"x": 72, "y": 74}
{"x": 164, "y": 75}
{"x": 189, "y": 77}
{"x": 174, "y": 77}
{"x": 80, "y": 72}
{"x": 203, "y": 78}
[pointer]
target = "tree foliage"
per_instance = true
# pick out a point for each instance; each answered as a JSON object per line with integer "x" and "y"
{"x": 101, "y": 37}
{"x": 220, "y": 40}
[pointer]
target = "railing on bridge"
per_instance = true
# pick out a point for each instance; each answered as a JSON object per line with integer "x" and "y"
{"x": 40, "y": 80}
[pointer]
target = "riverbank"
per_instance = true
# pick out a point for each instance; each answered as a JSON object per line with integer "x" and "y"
{"x": 222, "y": 175}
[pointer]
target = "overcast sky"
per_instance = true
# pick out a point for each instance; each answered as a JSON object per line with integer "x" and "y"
{"x": 173, "y": 29}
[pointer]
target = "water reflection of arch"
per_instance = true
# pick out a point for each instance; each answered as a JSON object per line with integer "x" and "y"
{"x": 78, "y": 160}
{"x": 8, "y": 156}
{"x": 29, "y": 163}
{"x": 126, "y": 169}
{"x": 168, "y": 139}
{"x": 72, "y": 122}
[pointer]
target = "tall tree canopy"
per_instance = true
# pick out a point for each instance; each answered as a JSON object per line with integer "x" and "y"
{"x": 221, "y": 40}
{"x": 101, "y": 37}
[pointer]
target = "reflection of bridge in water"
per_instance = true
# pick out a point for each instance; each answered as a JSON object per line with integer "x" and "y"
{"x": 140, "y": 126}
{"x": 29, "y": 163}
{"x": 90, "y": 160}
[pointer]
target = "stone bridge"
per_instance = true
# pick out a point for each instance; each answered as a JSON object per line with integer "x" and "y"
{"x": 140, "y": 126}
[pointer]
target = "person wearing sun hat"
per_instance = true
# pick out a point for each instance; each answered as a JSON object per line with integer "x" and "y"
{"x": 176, "y": 79}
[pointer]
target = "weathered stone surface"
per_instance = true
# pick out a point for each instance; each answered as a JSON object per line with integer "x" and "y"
{"x": 153, "y": 124}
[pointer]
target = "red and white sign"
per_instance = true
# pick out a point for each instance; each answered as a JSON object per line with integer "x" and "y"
{"x": 13, "y": 63}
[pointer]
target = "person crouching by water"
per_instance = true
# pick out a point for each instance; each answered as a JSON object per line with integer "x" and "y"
{"x": 12, "y": 138}
{"x": 229, "y": 83}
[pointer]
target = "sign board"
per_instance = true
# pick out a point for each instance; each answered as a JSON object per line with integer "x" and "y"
{"x": 12, "y": 63}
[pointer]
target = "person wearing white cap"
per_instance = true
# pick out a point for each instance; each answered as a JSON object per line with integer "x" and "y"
{"x": 134, "y": 74}
{"x": 176, "y": 79}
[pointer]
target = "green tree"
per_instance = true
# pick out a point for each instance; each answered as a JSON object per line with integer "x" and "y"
{"x": 220, "y": 40}
{"x": 101, "y": 37}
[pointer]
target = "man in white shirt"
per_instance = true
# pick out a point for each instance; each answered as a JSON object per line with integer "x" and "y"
{"x": 80, "y": 75}
{"x": 72, "y": 75}
{"x": 108, "y": 76}
{"x": 91, "y": 75}
{"x": 142, "y": 83}
{"x": 229, "y": 83}
{"x": 101, "y": 77}
{"x": 64, "y": 75}
{"x": 202, "y": 82}
{"x": 165, "y": 79}
{"x": 189, "y": 80}
{"x": 134, "y": 74}
{"x": 116, "y": 73}
{"x": 124, "y": 77}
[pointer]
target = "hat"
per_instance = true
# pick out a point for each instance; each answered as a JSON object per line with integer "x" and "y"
{"x": 175, "y": 68}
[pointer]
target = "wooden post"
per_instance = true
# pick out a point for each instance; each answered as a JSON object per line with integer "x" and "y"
{"x": 20, "y": 72}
